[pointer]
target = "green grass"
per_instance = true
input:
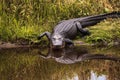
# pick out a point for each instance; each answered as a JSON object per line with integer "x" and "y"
{"x": 26, "y": 19}
{"x": 106, "y": 32}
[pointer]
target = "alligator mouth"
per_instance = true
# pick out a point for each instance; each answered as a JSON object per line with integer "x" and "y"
{"x": 58, "y": 46}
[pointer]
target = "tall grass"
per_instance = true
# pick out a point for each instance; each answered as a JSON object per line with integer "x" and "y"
{"x": 107, "y": 32}
{"x": 21, "y": 18}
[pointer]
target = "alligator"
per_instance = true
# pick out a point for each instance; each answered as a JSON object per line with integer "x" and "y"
{"x": 71, "y": 56}
{"x": 65, "y": 31}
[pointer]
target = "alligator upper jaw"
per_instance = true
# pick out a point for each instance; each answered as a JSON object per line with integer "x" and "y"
{"x": 57, "y": 46}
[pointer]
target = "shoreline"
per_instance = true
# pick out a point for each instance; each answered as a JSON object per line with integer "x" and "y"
{"x": 12, "y": 45}
{"x": 8, "y": 45}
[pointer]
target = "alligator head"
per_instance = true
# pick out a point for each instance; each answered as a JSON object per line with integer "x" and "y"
{"x": 57, "y": 41}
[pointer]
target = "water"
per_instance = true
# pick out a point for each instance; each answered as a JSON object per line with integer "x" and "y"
{"x": 46, "y": 64}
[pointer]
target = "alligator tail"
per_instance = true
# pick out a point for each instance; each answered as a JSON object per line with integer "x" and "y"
{"x": 93, "y": 20}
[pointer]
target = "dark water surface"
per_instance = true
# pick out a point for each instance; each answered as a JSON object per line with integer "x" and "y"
{"x": 67, "y": 64}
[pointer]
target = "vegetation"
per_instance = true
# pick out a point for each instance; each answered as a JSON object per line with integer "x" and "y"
{"x": 107, "y": 32}
{"x": 26, "y": 19}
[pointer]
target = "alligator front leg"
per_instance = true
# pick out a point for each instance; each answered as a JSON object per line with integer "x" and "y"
{"x": 69, "y": 42}
{"x": 47, "y": 34}
{"x": 83, "y": 31}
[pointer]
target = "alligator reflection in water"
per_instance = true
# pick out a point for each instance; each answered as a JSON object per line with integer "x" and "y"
{"x": 72, "y": 55}
{"x": 26, "y": 64}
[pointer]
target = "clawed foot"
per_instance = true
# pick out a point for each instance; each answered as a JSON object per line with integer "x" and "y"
{"x": 38, "y": 37}
{"x": 70, "y": 45}
{"x": 86, "y": 32}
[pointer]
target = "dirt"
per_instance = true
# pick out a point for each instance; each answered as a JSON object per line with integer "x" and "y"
{"x": 5, "y": 45}
{"x": 11, "y": 45}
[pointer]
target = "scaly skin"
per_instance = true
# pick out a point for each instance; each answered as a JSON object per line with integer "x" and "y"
{"x": 66, "y": 30}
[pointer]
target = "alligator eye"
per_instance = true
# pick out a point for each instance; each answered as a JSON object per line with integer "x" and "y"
{"x": 53, "y": 39}
{"x": 59, "y": 38}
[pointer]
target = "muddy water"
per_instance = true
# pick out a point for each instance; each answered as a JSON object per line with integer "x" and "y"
{"x": 67, "y": 64}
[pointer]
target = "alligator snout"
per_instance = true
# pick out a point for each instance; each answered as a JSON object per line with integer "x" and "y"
{"x": 57, "y": 44}
{"x": 57, "y": 41}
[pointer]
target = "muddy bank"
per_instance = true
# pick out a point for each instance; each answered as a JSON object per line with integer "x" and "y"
{"x": 12, "y": 45}
{"x": 5, "y": 45}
